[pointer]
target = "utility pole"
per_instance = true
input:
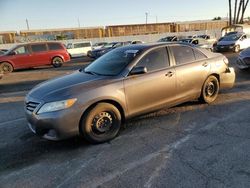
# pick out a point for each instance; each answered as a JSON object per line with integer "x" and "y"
{"x": 78, "y": 21}
{"x": 27, "y": 23}
{"x": 146, "y": 17}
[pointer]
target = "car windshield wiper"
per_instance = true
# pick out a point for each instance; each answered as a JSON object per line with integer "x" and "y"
{"x": 90, "y": 72}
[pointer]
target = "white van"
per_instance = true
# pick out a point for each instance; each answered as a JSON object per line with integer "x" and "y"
{"x": 77, "y": 49}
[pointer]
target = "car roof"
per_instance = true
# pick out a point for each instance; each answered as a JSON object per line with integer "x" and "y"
{"x": 146, "y": 46}
{"x": 79, "y": 42}
{"x": 45, "y": 42}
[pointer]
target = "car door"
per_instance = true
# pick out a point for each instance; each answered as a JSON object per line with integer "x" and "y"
{"x": 39, "y": 54}
{"x": 153, "y": 89}
{"x": 192, "y": 68}
{"x": 21, "y": 57}
{"x": 78, "y": 49}
{"x": 86, "y": 48}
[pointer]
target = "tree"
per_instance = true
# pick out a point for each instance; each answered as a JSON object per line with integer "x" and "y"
{"x": 244, "y": 7}
{"x": 217, "y": 18}
{"x": 235, "y": 11}
{"x": 238, "y": 13}
{"x": 230, "y": 12}
{"x": 240, "y": 7}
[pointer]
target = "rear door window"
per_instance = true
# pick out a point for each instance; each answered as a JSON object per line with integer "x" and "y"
{"x": 38, "y": 47}
{"x": 199, "y": 55}
{"x": 183, "y": 54}
{"x": 55, "y": 46}
{"x": 155, "y": 60}
{"x": 82, "y": 45}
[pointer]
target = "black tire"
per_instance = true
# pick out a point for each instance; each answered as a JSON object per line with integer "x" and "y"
{"x": 210, "y": 90}
{"x": 6, "y": 67}
{"x": 101, "y": 123}
{"x": 237, "y": 48}
{"x": 57, "y": 62}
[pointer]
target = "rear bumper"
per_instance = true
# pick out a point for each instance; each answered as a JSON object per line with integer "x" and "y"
{"x": 227, "y": 79}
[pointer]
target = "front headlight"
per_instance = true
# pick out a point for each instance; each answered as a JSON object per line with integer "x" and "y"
{"x": 55, "y": 106}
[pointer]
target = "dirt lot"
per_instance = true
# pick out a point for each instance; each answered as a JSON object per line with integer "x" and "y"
{"x": 191, "y": 145}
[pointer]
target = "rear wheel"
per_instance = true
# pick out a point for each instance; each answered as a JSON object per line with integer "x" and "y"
{"x": 57, "y": 62}
{"x": 6, "y": 67}
{"x": 101, "y": 123}
{"x": 210, "y": 90}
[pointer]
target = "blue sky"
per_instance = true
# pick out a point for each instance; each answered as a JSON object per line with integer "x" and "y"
{"x": 65, "y": 13}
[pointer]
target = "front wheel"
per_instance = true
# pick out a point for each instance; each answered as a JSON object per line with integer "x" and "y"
{"x": 236, "y": 48}
{"x": 210, "y": 90}
{"x": 6, "y": 67}
{"x": 57, "y": 62}
{"x": 101, "y": 123}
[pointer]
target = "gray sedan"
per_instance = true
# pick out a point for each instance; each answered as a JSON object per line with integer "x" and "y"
{"x": 124, "y": 83}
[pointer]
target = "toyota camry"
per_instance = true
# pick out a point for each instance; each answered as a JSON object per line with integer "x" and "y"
{"x": 124, "y": 83}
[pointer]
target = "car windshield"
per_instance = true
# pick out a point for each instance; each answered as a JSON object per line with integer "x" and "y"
{"x": 11, "y": 49}
{"x": 110, "y": 45}
{"x": 231, "y": 38}
{"x": 69, "y": 46}
{"x": 98, "y": 44}
{"x": 112, "y": 63}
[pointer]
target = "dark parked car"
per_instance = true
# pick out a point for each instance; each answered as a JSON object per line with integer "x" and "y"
{"x": 168, "y": 39}
{"x": 106, "y": 48}
{"x": 243, "y": 61}
{"x": 122, "y": 84}
{"x": 3, "y": 51}
{"x": 206, "y": 37}
{"x": 99, "y": 45}
{"x": 34, "y": 55}
{"x": 198, "y": 42}
{"x": 233, "y": 42}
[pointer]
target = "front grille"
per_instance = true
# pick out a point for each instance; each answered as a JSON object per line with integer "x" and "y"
{"x": 31, "y": 106}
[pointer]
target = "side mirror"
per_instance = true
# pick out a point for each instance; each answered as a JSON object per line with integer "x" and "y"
{"x": 12, "y": 53}
{"x": 138, "y": 70}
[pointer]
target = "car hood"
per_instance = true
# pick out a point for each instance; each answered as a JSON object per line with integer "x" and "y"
{"x": 65, "y": 86}
{"x": 245, "y": 53}
{"x": 226, "y": 43}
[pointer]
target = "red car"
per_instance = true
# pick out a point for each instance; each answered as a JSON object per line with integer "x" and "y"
{"x": 34, "y": 55}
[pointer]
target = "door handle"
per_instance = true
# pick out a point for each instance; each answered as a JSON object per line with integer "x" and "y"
{"x": 169, "y": 74}
{"x": 205, "y": 64}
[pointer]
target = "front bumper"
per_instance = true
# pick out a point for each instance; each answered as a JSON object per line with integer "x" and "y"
{"x": 227, "y": 79}
{"x": 54, "y": 125}
{"x": 224, "y": 48}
